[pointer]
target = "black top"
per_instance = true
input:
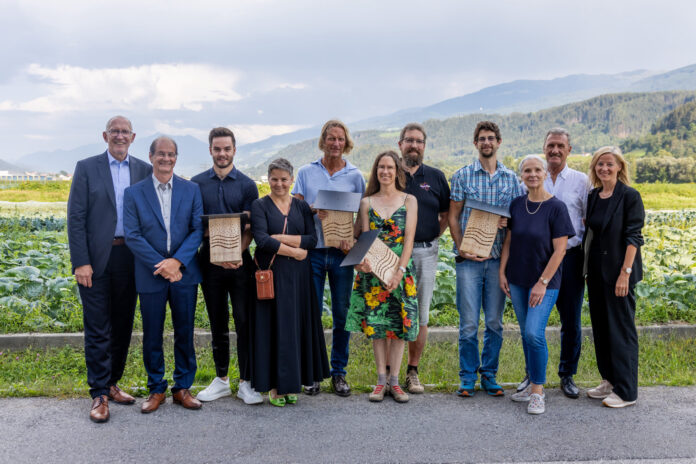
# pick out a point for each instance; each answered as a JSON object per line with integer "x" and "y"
{"x": 595, "y": 220}
{"x": 429, "y": 186}
{"x": 233, "y": 194}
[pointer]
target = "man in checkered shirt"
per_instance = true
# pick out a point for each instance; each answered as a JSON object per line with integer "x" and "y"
{"x": 488, "y": 181}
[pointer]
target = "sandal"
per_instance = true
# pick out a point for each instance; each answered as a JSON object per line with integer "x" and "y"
{"x": 280, "y": 402}
{"x": 291, "y": 399}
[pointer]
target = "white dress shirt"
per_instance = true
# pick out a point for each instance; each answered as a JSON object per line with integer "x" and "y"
{"x": 164, "y": 194}
{"x": 571, "y": 187}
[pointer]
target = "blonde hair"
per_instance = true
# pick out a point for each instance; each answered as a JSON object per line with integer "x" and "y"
{"x": 622, "y": 175}
{"x": 331, "y": 124}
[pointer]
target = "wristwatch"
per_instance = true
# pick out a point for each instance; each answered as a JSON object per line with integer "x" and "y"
{"x": 543, "y": 281}
{"x": 402, "y": 269}
{"x": 628, "y": 270}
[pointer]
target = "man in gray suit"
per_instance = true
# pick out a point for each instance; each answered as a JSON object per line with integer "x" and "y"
{"x": 102, "y": 264}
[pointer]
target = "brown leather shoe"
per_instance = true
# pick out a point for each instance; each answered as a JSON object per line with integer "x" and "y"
{"x": 184, "y": 398}
{"x": 119, "y": 396}
{"x": 153, "y": 402}
{"x": 100, "y": 409}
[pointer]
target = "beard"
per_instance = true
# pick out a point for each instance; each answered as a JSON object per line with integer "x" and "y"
{"x": 411, "y": 161}
{"x": 487, "y": 155}
{"x": 222, "y": 163}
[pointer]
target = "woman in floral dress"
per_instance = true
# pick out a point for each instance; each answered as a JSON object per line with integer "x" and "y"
{"x": 387, "y": 311}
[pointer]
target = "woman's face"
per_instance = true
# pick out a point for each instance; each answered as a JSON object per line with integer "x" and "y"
{"x": 607, "y": 169}
{"x": 280, "y": 182}
{"x": 533, "y": 173}
{"x": 386, "y": 171}
{"x": 335, "y": 142}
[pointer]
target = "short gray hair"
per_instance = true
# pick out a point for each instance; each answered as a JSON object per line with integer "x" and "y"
{"x": 162, "y": 138}
{"x": 557, "y": 131}
{"x": 111, "y": 120}
{"x": 413, "y": 126}
{"x": 282, "y": 164}
{"x": 534, "y": 157}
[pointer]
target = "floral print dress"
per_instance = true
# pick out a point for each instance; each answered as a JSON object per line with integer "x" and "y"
{"x": 375, "y": 311}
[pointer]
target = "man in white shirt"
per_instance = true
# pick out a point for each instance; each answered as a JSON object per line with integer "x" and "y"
{"x": 571, "y": 187}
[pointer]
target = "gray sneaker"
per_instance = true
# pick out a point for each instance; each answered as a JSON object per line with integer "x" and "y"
{"x": 525, "y": 395}
{"x": 536, "y": 404}
{"x": 413, "y": 384}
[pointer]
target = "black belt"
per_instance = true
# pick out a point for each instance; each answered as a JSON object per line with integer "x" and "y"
{"x": 422, "y": 244}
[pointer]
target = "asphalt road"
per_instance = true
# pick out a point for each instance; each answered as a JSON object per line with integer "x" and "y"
{"x": 436, "y": 427}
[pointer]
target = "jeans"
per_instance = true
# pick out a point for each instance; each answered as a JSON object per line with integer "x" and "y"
{"x": 533, "y": 329}
{"x": 478, "y": 287}
{"x": 328, "y": 260}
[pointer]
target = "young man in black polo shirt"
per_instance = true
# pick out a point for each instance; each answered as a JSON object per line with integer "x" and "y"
{"x": 432, "y": 192}
{"x": 226, "y": 190}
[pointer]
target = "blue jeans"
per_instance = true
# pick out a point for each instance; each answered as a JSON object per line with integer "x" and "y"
{"x": 328, "y": 260}
{"x": 533, "y": 329}
{"x": 478, "y": 287}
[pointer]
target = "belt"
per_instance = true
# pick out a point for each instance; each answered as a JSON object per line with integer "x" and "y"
{"x": 422, "y": 244}
{"x": 118, "y": 241}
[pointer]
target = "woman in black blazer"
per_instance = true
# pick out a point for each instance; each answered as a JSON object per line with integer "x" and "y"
{"x": 613, "y": 266}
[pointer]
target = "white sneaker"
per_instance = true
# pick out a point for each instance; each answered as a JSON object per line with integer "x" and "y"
{"x": 615, "y": 401}
{"x": 248, "y": 394}
{"x": 601, "y": 391}
{"x": 525, "y": 395}
{"x": 217, "y": 389}
{"x": 536, "y": 405}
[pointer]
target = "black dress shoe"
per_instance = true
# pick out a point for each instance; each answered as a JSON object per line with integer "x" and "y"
{"x": 569, "y": 388}
{"x": 340, "y": 385}
{"x": 313, "y": 389}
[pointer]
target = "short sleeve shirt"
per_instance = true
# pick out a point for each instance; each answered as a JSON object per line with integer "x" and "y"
{"x": 432, "y": 192}
{"x": 232, "y": 194}
{"x": 474, "y": 182}
{"x": 531, "y": 240}
{"x": 314, "y": 176}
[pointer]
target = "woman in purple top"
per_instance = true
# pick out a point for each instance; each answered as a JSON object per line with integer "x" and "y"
{"x": 530, "y": 270}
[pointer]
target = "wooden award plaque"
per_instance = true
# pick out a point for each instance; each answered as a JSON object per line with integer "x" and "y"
{"x": 225, "y": 238}
{"x": 337, "y": 226}
{"x": 383, "y": 261}
{"x": 481, "y": 228}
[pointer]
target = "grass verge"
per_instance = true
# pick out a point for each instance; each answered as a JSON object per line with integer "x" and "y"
{"x": 62, "y": 373}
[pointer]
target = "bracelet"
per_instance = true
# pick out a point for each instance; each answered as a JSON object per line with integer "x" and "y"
{"x": 402, "y": 269}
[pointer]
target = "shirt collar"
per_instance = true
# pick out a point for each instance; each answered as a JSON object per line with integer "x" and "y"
{"x": 564, "y": 172}
{"x": 232, "y": 174}
{"x": 419, "y": 172}
{"x": 479, "y": 167}
{"x": 156, "y": 181}
{"x": 114, "y": 160}
{"x": 348, "y": 167}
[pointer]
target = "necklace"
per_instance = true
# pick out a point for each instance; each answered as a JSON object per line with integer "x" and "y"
{"x": 526, "y": 205}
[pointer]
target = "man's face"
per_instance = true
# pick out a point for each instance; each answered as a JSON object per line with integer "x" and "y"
{"x": 412, "y": 148}
{"x": 119, "y": 136}
{"x": 335, "y": 142}
{"x": 222, "y": 150}
{"x": 163, "y": 159}
{"x": 487, "y": 144}
{"x": 556, "y": 149}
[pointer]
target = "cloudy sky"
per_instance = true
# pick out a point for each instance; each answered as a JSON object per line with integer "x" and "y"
{"x": 266, "y": 67}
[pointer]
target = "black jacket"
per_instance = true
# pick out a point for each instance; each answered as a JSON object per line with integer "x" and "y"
{"x": 621, "y": 227}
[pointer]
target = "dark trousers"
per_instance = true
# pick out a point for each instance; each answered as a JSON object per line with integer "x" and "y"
{"x": 153, "y": 306}
{"x": 614, "y": 332}
{"x": 108, "y": 308}
{"x": 569, "y": 305}
{"x": 237, "y": 284}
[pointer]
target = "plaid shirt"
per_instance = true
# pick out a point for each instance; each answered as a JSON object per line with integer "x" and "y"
{"x": 474, "y": 182}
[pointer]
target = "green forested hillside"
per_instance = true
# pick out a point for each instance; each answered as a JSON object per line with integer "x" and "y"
{"x": 603, "y": 120}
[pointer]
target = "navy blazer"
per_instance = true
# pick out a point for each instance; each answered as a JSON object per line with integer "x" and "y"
{"x": 92, "y": 210}
{"x": 622, "y": 226}
{"x": 147, "y": 237}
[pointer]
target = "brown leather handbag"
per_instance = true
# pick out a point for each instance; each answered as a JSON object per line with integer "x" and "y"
{"x": 264, "y": 277}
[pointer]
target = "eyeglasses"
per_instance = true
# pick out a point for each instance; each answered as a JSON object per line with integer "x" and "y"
{"x": 161, "y": 154}
{"x": 412, "y": 141}
{"x": 116, "y": 132}
{"x": 490, "y": 138}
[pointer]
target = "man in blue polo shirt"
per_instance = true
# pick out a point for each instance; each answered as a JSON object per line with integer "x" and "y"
{"x": 429, "y": 186}
{"x": 226, "y": 190}
{"x": 331, "y": 172}
{"x": 486, "y": 180}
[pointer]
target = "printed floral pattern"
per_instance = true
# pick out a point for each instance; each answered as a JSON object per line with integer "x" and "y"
{"x": 375, "y": 311}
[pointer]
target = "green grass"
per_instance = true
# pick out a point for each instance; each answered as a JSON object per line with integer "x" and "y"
{"x": 62, "y": 373}
{"x": 667, "y": 196}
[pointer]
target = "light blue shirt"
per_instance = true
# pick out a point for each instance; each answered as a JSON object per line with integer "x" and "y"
{"x": 314, "y": 176}
{"x": 120, "y": 176}
{"x": 164, "y": 195}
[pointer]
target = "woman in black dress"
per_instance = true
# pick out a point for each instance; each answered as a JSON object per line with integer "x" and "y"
{"x": 613, "y": 238}
{"x": 289, "y": 347}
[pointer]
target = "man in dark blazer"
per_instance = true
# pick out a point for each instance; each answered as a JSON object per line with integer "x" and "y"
{"x": 102, "y": 264}
{"x": 162, "y": 220}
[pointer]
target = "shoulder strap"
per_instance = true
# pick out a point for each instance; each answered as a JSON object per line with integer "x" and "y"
{"x": 285, "y": 226}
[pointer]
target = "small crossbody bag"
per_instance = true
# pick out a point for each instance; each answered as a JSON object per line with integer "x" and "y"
{"x": 264, "y": 277}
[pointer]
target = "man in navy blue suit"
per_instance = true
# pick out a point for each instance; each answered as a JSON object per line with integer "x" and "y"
{"x": 102, "y": 264}
{"x": 162, "y": 220}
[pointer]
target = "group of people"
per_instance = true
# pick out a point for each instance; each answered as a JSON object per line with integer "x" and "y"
{"x": 135, "y": 230}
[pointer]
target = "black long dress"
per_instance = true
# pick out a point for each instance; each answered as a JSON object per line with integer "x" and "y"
{"x": 289, "y": 346}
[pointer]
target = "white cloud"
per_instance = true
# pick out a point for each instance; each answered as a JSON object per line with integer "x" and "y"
{"x": 153, "y": 87}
